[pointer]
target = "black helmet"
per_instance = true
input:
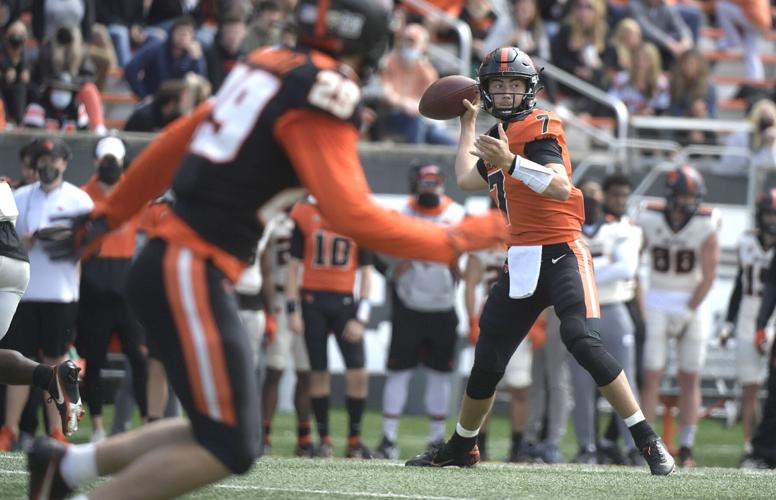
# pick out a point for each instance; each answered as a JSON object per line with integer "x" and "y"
{"x": 509, "y": 62}
{"x": 766, "y": 203}
{"x": 345, "y": 27}
{"x": 685, "y": 180}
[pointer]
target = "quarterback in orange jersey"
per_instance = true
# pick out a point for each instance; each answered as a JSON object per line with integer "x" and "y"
{"x": 284, "y": 120}
{"x": 524, "y": 162}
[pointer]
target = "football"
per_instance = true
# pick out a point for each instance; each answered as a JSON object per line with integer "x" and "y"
{"x": 442, "y": 99}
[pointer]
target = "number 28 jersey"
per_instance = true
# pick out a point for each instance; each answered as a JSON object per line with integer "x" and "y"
{"x": 675, "y": 256}
{"x": 237, "y": 174}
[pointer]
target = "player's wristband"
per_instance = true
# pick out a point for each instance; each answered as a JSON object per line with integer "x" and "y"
{"x": 290, "y": 306}
{"x": 533, "y": 175}
{"x": 364, "y": 311}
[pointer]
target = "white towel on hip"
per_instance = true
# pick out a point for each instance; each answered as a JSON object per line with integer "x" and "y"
{"x": 524, "y": 266}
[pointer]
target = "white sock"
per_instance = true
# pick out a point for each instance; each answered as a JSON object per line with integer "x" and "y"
{"x": 463, "y": 432}
{"x": 438, "y": 388}
{"x": 687, "y": 435}
{"x": 436, "y": 430}
{"x": 395, "y": 391}
{"x": 79, "y": 465}
{"x": 391, "y": 428}
{"x": 79, "y": 497}
{"x": 634, "y": 419}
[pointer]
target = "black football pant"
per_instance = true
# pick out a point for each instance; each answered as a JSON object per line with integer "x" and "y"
{"x": 764, "y": 441}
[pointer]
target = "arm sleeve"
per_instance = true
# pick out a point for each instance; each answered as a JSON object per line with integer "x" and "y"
{"x": 625, "y": 265}
{"x": 482, "y": 169}
{"x": 365, "y": 257}
{"x": 735, "y": 298}
{"x": 297, "y": 243}
{"x": 544, "y": 151}
{"x": 153, "y": 170}
{"x": 329, "y": 167}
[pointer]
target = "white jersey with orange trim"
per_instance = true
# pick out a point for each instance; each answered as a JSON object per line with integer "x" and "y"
{"x": 492, "y": 262}
{"x": 429, "y": 286}
{"x": 753, "y": 261}
{"x": 279, "y": 251}
{"x": 614, "y": 246}
{"x": 675, "y": 256}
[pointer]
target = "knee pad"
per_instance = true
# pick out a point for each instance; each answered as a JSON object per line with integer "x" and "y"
{"x": 482, "y": 383}
{"x": 591, "y": 354}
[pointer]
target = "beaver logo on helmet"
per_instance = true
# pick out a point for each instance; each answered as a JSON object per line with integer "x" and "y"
{"x": 684, "y": 181}
{"x": 345, "y": 27}
{"x": 509, "y": 62}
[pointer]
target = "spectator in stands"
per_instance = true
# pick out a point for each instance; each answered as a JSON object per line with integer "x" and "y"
{"x": 59, "y": 107}
{"x": 744, "y": 22}
{"x": 10, "y": 11}
{"x": 48, "y": 16}
{"x": 173, "y": 58}
{"x": 124, "y": 20}
{"x": 621, "y": 49}
{"x": 663, "y": 25}
{"x": 690, "y": 83}
{"x": 643, "y": 88}
{"x": 65, "y": 53}
{"x": 553, "y": 12}
{"x": 480, "y": 17}
{"x": 103, "y": 308}
{"x": 173, "y": 100}
{"x": 405, "y": 76}
{"x": 45, "y": 320}
{"x": 757, "y": 146}
{"x": 15, "y": 71}
{"x": 28, "y": 170}
{"x": 226, "y": 51}
{"x": 578, "y": 46}
{"x": 266, "y": 27}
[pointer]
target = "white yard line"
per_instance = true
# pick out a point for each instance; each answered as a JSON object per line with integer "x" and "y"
{"x": 360, "y": 494}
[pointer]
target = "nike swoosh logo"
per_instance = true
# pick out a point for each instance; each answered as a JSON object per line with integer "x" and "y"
{"x": 443, "y": 464}
{"x": 556, "y": 259}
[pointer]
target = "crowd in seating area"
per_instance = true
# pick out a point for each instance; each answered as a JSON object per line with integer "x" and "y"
{"x": 65, "y": 63}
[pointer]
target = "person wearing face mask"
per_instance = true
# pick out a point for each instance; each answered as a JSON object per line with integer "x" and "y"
{"x": 103, "y": 309}
{"x": 45, "y": 318}
{"x": 14, "y": 71}
{"x": 760, "y": 140}
{"x": 682, "y": 241}
{"x": 59, "y": 108}
{"x": 614, "y": 245}
{"x": 424, "y": 320}
{"x": 404, "y": 77}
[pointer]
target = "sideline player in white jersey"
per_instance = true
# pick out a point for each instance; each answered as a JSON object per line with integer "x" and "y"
{"x": 286, "y": 345}
{"x": 682, "y": 241}
{"x": 424, "y": 320}
{"x": 755, "y": 252}
{"x": 482, "y": 269}
{"x": 615, "y": 246}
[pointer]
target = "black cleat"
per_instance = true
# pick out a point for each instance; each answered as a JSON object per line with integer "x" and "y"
{"x": 445, "y": 456}
{"x": 64, "y": 392}
{"x": 610, "y": 454}
{"x": 358, "y": 450}
{"x": 304, "y": 450}
{"x": 751, "y": 461}
{"x": 586, "y": 457}
{"x": 43, "y": 459}
{"x": 660, "y": 462}
{"x": 324, "y": 450}
{"x": 387, "y": 449}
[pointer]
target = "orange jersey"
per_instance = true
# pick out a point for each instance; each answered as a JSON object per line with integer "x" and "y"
{"x": 330, "y": 260}
{"x": 120, "y": 243}
{"x": 533, "y": 218}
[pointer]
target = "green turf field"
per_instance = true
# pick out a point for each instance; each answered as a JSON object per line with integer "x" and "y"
{"x": 281, "y": 477}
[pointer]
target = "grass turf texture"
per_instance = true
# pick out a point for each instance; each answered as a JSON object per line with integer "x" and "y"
{"x": 280, "y": 477}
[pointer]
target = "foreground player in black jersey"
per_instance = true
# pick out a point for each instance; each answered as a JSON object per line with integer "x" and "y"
{"x": 282, "y": 121}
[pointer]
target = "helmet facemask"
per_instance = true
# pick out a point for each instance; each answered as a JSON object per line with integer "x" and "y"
{"x": 515, "y": 112}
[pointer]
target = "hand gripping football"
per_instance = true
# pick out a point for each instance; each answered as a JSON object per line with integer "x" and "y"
{"x": 442, "y": 100}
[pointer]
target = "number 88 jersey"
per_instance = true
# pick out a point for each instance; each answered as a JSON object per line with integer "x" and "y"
{"x": 675, "y": 256}
{"x": 237, "y": 174}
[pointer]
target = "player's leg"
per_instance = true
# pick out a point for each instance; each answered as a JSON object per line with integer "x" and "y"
{"x": 537, "y": 403}
{"x": 764, "y": 440}
{"x": 751, "y": 371}
{"x": 157, "y": 389}
{"x": 316, "y": 331}
{"x": 583, "y": 414}
{"x": 277, "y": 354}
{"x": 356, "y": 379}
{"x": 22, "y": 337}
{"x": 302, "y": 403}
{"x": 571, "y": 282}
{"x": 442, "y": 338}
{"x": 504, "y": 323}
{"x": 559, "y": 391}
{"x": 406, "y": 337}
{"x": 655, "y": 357}
{"x": 132, "y": 339}
{"x": 58, "y": 323}
{"x": 180, "y": 297}
{"x": 691, "y": 358}
{"x": 517, "y": 380}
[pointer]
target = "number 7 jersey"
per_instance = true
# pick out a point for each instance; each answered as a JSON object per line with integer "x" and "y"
{"x": 675, "y": 256}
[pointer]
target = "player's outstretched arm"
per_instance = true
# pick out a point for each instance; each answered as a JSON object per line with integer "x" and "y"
{"x": 466, "y": 174}
{"x": 324, "y": 153}
{"x": 152, "y": 171}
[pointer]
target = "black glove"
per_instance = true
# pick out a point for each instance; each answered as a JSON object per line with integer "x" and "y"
{"x": 71, "y": 236}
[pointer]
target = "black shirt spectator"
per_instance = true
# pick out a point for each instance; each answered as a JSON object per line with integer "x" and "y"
{"x": 173, "y": 100}
{"x": 226, "y": 51}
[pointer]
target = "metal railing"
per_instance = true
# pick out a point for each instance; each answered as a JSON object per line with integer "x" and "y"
{"x": 689, "y": 124}
{"x": 461, "y": 28}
